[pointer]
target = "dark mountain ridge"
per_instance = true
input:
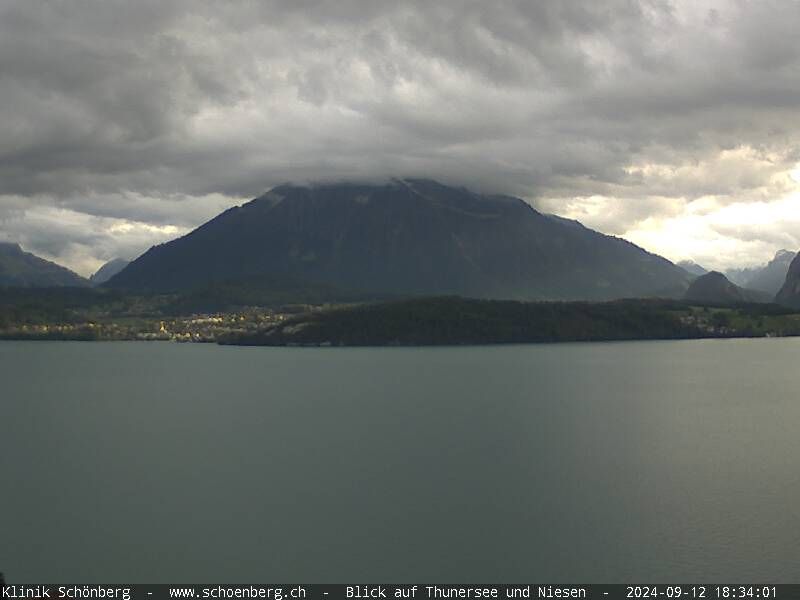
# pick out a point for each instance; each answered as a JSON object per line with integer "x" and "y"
{"x": 715, "y": 288}
{"x": 789, "y": 294}
{"x": 23, "y": 269}
{"x": 405, "y": 237}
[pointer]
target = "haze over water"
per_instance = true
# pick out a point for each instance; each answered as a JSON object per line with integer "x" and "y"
{"x": 647, "y": 461}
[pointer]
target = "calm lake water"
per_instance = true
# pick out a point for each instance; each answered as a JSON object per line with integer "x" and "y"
{"x": 153, "y": 462}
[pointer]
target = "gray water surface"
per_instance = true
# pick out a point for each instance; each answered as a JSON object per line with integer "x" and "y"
{"x": 155, "y": 462}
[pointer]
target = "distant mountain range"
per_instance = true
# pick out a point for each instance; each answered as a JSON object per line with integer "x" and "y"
{"x": 692, "y": 267}
{"x": 753, "y": 284}
{"x": 108, "y": 270}
{"x": 413, "y": 237}
{"x": 23, "y": 269}
{"x": 406, "y": 237}
{"x": 767, "y": 278}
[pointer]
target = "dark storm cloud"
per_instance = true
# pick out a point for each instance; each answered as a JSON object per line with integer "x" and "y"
{"x": 158, "y": 113}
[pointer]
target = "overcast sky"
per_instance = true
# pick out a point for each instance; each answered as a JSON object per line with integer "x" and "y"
{"x": 673, "y": 124}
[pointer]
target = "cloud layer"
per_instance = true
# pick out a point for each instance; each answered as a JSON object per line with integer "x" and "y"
{"x": 123, "y": 124}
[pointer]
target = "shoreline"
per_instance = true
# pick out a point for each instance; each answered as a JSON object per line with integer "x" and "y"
{"x": 415, "y": 322}
{"x": 39, "y": 339}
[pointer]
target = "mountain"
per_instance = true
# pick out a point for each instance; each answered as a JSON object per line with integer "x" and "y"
{"x": 715, "y": 288}
{"x": 740, "y": 275}
{"x": 772, "y": 276}
{"x": 692, "y": 267}
{"x": 23, "y": 269}
{"x": 108, "y": 270}
{"x": 405, "y": 237}
{"x": 789, "y": 294}
{"x": 767, "y": 278}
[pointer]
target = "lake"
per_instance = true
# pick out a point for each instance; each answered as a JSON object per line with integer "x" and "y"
{"x": 143, "y": 462}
